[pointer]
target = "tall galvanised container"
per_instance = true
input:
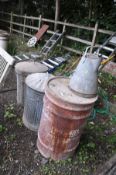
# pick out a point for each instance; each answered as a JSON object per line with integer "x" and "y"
{"x": 63, "y": 118}
{"x": 33, "y": 101}
{"x": 23, "y": 69}
{"x": 84, "y": 79}
{"x": 3, "y": 39}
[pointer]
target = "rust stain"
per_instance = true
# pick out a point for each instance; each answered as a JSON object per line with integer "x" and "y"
{"x": 59, "y": 139}
{"x": 60, "y": 130}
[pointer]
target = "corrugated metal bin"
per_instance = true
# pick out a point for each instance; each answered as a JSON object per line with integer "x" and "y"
{"x": 63, "y": 119}
{"x": 23, "y": 69}
{"x": 33, "y": 101}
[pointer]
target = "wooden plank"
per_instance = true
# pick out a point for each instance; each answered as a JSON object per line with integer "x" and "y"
{"x": 28, "y": 17}
{"x": 17, "y": 31}
{"x": 106, "y": 31}
{"x": 40, "y": 18}
{"x": 71, "y": 50}
{"x": 41, "y": 31}
{"x": 24, "y": 25}
{"x": 11, "y": 20}
{"x": 5, "y": 13}
{"x": 63, "y": 31}
{"x": 69, "y": 24}
{"x": 78, "y": 40}
{"x": 7, "y": 21}
{"x": 94, "y": 37}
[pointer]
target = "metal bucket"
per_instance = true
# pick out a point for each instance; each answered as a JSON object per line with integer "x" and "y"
{"x": 33, "y": 101}
{"x": 63, "y": 119}
{"x": 3, "y": 39}
{"x": 23, "y": 69}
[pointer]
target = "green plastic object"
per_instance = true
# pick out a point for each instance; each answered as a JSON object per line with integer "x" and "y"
{"x": 102, "y": 110}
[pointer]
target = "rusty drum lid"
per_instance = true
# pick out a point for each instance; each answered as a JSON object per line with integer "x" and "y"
{"x": 58, "y": 89}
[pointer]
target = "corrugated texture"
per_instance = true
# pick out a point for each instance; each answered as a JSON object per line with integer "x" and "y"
{"x": 37, "y": 81}
{"x": 32, "y": 108}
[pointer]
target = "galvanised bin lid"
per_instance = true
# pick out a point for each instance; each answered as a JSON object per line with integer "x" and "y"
{"x": 38, "y": 81}
{"x": 27, "y": 67}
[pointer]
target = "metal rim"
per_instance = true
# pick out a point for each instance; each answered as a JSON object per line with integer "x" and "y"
{"x": 60, "y": 102}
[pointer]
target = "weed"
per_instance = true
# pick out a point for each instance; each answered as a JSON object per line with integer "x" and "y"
{"x": 19, "y": 122}
{"x": 2, "y": 128}
{"x": 9, "y": 111}
{"x": 111, "y": 139}
{"x": 91, "y": 145}
{"x": 10, "y": 138}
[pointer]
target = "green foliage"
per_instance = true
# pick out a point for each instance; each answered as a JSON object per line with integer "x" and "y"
{"x": 12, "y": 48}
{"x": 107, "y": 79}
{"x": 2, "y": 128}
{"x": 19, "y": 122}
{"x": 91, "y": 145}
{"x": 10, "y": 138}
{"x": 111, "y": 139}
{"x": 9, "y": 112}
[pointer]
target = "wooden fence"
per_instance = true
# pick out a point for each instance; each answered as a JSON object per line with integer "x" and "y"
{"x": 19, "y": 24}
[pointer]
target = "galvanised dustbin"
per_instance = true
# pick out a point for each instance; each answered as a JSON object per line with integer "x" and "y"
{"x": 23, "y": 69}
{"x": 33, "y": 100}
{"x": 63, "y": 118}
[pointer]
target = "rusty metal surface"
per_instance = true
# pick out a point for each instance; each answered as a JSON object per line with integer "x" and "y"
{"x": 61, "y": 125}
{"x": 41, "y": 31}
{"x": 58, "y": 89}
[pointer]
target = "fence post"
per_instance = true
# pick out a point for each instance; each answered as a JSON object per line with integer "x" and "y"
{"x": 40, "y": 19}
{"x": 94, "y": 37}
{"x": 11, "y": 22}
{"x": 55, "y": 25}
{"x": 63, "y": 30}
{"x": 24, "y": 25}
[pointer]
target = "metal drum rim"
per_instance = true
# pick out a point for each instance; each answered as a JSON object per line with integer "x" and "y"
{"x": 55, "y": 99}
{"x": 66, "y": 105}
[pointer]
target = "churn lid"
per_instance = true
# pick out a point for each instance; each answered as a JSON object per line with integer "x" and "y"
{"x": 27, "y": 67}
{"x": 58, "y": 88}
{"x": 3, "y": 33}
{"x": 38, "y": 81}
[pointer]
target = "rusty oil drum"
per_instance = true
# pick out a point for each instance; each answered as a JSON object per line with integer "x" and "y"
{"x": 63, "y": 119}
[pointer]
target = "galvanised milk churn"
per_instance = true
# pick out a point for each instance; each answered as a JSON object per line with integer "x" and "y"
{"x": 84, "y": 79}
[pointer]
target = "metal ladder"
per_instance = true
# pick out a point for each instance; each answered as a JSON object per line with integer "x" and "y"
{"x": 53, "y": 63}
{"x": 50, "y": 44}
{"x": 108, "y": 47}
